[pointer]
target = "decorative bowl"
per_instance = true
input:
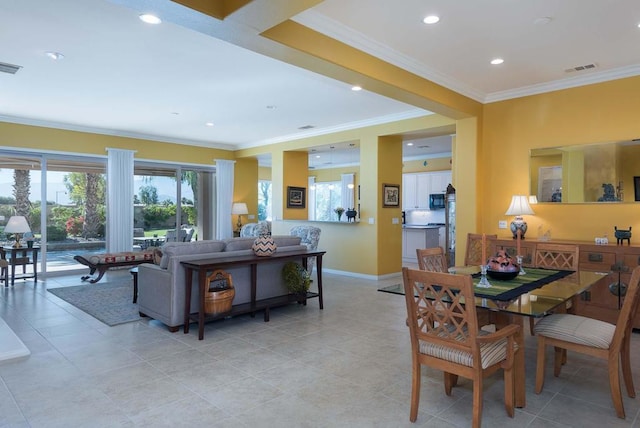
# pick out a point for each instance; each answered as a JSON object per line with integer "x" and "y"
{"x": 502, "y": 275}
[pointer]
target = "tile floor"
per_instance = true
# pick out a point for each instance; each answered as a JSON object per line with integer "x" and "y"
{"x": 345, "y": 366}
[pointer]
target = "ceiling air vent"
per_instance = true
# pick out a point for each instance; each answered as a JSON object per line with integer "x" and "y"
{"x": 9, "y": 68}
{"x": 585, "y": 67}
{"x": 307, "y": 127}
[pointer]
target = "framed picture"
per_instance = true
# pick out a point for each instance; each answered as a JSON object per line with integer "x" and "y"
{"x": 636, "y": 188}
{"x": 390, "y": 195}
{"x": 296, "y": 197}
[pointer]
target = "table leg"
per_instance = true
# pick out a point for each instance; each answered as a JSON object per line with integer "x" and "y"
{"x": 319, "y": 278}
{"x": 35, "y": 266}
{"x": 503, "y": 319}
{"x": 202, "y": 284}
{"x": 13, "y": 268}
{"x": 187, "y": 298}
{"x": 254, "y": 281}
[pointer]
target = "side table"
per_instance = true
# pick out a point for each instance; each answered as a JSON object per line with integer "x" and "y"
{"x": 20, "y": 257}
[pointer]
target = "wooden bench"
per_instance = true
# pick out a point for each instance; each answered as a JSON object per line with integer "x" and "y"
{"x": 106, "y": 261}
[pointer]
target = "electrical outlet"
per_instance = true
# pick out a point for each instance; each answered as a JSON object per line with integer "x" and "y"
{"x": 502, "y": 224}
{"x": 251, "y": 217}
{"x": 395, "y": 220}
{"x": 371, "y": 221}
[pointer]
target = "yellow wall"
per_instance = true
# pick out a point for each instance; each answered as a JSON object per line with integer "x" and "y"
{"x": 245, "y": 188}
{"x": 50, "y": 139}
{"x": 583, "y": 115}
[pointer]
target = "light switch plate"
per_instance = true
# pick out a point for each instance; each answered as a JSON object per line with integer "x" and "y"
{"x": 395, "y": 220}
{"x": 251, "y": 216}
{"x": 371, "y": 221}
{"x": 502, "y": 224}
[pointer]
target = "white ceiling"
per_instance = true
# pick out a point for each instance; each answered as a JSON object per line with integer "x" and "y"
{"x": 123, "y": 77}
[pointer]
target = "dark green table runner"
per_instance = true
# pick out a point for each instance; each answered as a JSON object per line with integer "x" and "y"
{"x": 507, "y": 290}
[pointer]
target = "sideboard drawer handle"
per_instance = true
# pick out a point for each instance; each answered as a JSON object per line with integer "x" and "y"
{"x": 595, "y": 257}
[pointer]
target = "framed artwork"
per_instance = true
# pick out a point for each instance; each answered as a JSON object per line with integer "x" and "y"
{"x": 296, "y": 197}
{"x": 390, "y": 195}
{"x": 636, "y": 188}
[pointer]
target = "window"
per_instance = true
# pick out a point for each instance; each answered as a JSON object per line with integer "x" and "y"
{"x": 328, "y": 196}
{"x": 264, "y": 200}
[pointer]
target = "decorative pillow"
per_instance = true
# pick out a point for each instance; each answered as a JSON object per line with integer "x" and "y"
{"x": 157, "y": 256}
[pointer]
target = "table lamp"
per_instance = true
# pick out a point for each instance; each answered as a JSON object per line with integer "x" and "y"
{"x": 239, "y": 209}
{"x": 519, "y": 207}
{"x": 17, "y": 224}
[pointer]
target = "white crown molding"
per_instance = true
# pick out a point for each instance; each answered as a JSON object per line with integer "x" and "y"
{"x": 570, "y": 82}
{"x": 410, "y": 114}
{"x": 115, "y": 133}
{"x": 338, "y": 31}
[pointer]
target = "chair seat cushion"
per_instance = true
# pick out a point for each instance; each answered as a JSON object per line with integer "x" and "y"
{"x": 576, "y": 329}
{"x": 490, "y": 353}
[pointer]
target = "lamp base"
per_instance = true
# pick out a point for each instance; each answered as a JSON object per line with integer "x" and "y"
{"x": 518, "y": 224}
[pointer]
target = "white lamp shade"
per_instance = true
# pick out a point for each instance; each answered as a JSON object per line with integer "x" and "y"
{"x": 519, "y": 206}
{"x": 17, "y": 224}
{"x": 239, "y": 208}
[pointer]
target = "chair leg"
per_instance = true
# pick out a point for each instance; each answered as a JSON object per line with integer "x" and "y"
{"x": 477, "y": 400}
{"x": 557, "y": 360}
{"x": 614, "y": 384}
{"x": 626, "y": 367}
{"x": 415, "y": 391}
{"x": 540, "y": 363}
{"x": 450, "y": 380}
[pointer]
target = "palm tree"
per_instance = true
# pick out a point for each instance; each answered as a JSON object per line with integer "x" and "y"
{"x": 92, "y": 219}
{"x": 21, "y": 191}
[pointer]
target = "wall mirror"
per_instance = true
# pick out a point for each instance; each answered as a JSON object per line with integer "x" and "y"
{"x": 593, "y": 173}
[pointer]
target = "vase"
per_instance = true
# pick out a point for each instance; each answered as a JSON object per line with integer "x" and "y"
{"x": 264, "y": 246}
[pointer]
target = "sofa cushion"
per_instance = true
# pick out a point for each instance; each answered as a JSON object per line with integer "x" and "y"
{"x": 286, "y": 240}
{"x": 171, "y": 249}
{"x": 236, "y": 244}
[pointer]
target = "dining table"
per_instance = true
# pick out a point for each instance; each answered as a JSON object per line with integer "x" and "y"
{"x": 537, "y": 293}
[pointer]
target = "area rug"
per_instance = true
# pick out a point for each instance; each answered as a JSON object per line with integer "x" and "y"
{"x": 109, "y": 302}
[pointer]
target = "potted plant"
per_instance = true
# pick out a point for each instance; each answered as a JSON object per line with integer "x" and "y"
{"x": 297, "y": 280}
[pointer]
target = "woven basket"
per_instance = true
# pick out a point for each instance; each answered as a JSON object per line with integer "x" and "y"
{"x": 218, "y": 298}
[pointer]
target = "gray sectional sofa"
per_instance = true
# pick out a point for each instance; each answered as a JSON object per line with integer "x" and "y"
{"x": 161, "y": 287}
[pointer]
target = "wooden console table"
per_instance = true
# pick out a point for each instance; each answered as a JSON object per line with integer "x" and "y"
{"x": 204, "y": 266}
{"x": 20, "y": 257}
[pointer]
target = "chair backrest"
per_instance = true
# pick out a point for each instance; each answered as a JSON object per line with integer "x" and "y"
{"x": 437, "y": 312}
{"x": 557, "y": 256}
{"x": 628, "y": 311}
{"x": 309, "y": 236}
{"x": 170, "y": 236}
{"x": 255, "y": 229}
{"x": 473, "y": 255}
{"x": 432, "y": 259}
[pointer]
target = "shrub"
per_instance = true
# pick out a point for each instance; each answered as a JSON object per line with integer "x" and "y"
{"x": 56, "y": 233}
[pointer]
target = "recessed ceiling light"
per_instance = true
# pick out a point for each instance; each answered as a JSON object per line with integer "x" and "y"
{"x": 431, "y": 19}
{"x": 409, "y": 144}
{"x": 356, "y": 88}
{"x": 271, "y": 107}
{"x": 497, "y": 61}
{"x": 54, "y": 55}
{"x": 317, "y": 156}
{"x": 209, "y": 124}
{"x": 150, "y": 19}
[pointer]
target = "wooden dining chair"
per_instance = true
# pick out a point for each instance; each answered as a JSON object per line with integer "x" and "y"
{"x": 473, "y": 254}
{"x": 595, "y": 338}
{"x": 556, "y": 256}
{"x": 432, "y": 259}
{"x": 445, "y": 335}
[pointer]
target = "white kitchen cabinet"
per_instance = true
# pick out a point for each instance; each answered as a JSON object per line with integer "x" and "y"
{"x": 417, "y": 187}
{"x": 414, "y": 238}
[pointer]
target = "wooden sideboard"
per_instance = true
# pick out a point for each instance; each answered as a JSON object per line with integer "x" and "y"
{"x": 599, "y": 302}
